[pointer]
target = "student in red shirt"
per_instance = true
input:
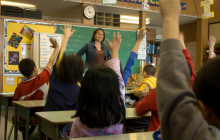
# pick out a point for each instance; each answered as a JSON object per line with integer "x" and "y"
{"x": 149, "y": 102}
{"x": 35, "y": 87}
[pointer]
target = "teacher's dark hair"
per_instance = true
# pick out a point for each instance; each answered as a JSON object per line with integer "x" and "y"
{"x": 93, "y": 38}
{"x": 100, "y": 103}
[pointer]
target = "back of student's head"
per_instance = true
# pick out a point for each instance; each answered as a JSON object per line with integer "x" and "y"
{"x": 26, "y": 67}
{"x": 149, "y": 69}
{"x": 100, "y": 104}
{"x": 207, "y": 85}
{"x": 71, "y": 69}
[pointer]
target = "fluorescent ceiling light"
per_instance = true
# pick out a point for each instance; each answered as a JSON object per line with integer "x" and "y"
{"x": 17, "y": 4}
{"x": 132, "y": 20}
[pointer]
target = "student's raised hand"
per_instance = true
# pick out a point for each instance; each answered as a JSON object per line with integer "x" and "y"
{"x": 114, "y": 45}
{"x": 211, "y": 41}
{"x": 141, "y": 34}
{"x": 170, "y": 9}
{"x": 67, "y": 30}
{"x": 54, "y": 43}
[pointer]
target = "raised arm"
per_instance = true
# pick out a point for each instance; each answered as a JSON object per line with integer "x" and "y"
{"x": 177, "y": 106}
{"x": 53, "y": 56}
{"x": 133, "y": 54}
{"x": 114, "y": 63}
{"x": 211, "y": 43}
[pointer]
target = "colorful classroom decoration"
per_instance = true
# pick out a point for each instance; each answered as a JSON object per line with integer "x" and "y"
{"x": 145, "y": 5}
{"x": 206, "y": 5}
{"x": 15, "y": 40}
{"x": 18, "y": 38}
{"x": 27, "y": 32}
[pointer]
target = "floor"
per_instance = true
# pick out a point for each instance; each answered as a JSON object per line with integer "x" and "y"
{"x": 2, "y": 124}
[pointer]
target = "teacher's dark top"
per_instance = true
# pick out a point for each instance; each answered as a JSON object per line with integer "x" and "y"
{"x": 90, "y": 51}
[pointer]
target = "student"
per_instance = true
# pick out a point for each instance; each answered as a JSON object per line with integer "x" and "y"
{"x": 65, "y": 78}
{"x": 101, "y": 109}
{"x": 178, "y": 108}
{"x": 35, "y": 87}
{"x": 149, "y": 103}
{"x": 147, "y": 84}
{"x": 133, "y": 54}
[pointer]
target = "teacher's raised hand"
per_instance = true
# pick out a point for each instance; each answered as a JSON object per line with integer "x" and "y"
{"x": 67, "y": 30}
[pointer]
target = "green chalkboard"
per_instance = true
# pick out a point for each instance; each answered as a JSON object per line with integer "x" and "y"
{"x": 84, "y": 34}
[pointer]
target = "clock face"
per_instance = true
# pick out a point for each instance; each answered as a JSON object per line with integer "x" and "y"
{"x": 89, "y": 12}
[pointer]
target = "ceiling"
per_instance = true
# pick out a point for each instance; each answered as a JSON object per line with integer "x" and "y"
{"x": 72, "y": 10}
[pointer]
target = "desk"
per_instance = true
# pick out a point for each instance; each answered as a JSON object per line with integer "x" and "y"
{"x": 22, "y": 109}
{"x": 48, "y": 122}
{"x": 5, "y": 99}
{"x": 131, "y": 136}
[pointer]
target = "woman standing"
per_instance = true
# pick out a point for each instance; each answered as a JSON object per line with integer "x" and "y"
{"x": 96, "y": 51}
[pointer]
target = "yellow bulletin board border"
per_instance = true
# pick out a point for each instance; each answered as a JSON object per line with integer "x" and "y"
{"x": 5, "y": 39}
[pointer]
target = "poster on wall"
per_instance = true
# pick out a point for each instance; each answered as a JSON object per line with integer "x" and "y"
{"x": 26, "y": 50}
{"x": 27, "y": 32}
{"x": 145, "y": 5}
{"x": 15, "y": 40}
{"x": 45, "y": 49}
{"x": 13, "y": 58}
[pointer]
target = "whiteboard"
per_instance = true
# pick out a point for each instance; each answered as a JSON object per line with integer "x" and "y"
{"x": 45, "y": 49}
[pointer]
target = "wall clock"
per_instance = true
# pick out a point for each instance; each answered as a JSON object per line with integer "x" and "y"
{"x": 89, "y": 12}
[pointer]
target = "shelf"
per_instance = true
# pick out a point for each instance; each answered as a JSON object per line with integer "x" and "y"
{"x": 107, "y": 19}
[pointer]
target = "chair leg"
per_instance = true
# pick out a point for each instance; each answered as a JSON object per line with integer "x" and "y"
{"x": 10, "y": 132}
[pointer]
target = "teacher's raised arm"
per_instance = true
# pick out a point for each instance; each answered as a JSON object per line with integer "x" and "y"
{"x": 96, "y": 51}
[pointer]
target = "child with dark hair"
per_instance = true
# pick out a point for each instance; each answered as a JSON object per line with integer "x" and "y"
{"x": 35, "y": 87}
{"x": 179, "y": 109}
{"x": 65, "y": 78}
{"x": 101, "y": 109}
{"x": 147, "y": 84}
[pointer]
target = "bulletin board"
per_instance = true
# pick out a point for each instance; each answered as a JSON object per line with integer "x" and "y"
{"x": 18, "y": 41}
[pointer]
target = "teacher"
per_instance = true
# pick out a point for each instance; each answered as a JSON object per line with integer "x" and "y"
{"x": 96, "y": 51}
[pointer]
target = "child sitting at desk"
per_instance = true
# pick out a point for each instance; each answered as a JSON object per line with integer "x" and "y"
{"x": 101, "y": 109}
{"x": 35, "y": 87}
{"x": 184, "y": 114}
{"x": 64, "y": 82}
{"x": 149, "y": 102}
{"x": 147, "y": 84}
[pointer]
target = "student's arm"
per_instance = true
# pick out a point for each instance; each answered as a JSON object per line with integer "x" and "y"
{"x": 114, "y": 63}
{"x": 211, "y": 43}
{"x": 83, "y": 50}
{"x": 133, "y": 54}
{"x": 52, "y": 57}
{"x": 67, "y": 34}
{"x": 177, "y": 106}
